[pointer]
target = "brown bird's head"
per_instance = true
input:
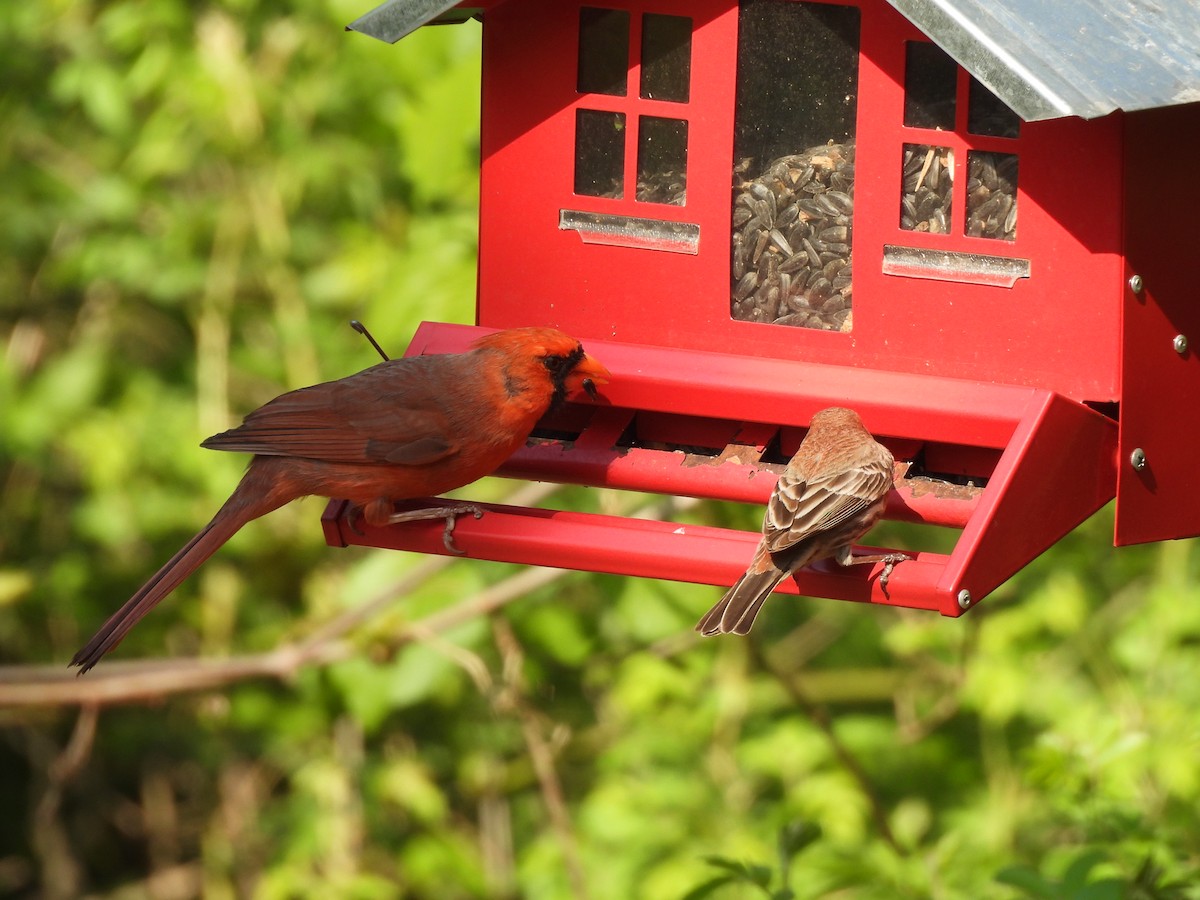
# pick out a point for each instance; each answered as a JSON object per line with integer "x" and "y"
{"x": 836, "y": 417}
{"x": 837, "y": 440}
{"x": 550, "y": 354}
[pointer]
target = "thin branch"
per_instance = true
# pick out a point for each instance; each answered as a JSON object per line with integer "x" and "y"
{"x": 496, "y": 842}
{"x": 540, "y": 754}
{"x": 820, "y": 717}
{"x": 142, "y": 681}
{"x": 61, "y": 870}
{"x": 73, "y": 757}
{"x": 346, "y": 622}
{"x": 149, "y": 681}
{"x": 152, "y": 680}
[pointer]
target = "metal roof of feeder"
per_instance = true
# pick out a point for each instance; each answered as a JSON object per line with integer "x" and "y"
{"x": 1086, "y": 58}
{"x": 1044, "y": 59}
{"x": 395, "y": 19}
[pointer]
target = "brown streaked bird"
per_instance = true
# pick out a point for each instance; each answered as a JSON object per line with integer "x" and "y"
{"x": 405, "y": 428}
{"x": 831, "y": 494}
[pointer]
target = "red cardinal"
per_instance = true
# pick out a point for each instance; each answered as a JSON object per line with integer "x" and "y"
{"x": 404, "y": 428}
{"x": 830, "y": 495}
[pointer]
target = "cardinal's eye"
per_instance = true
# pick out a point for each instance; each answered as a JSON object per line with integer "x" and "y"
{"x": 560, "y": 365}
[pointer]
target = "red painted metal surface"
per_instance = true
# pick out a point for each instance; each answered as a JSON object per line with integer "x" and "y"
{"x": 641, "y": 548}
{"x": 1053, "y": 330}
{"x": 785, "y": 392}
{"x": 1057, "y": 470}
{"x": 735, "y": 473}
{"x": 1160, "y": 387}
{"x": 1041, "y": 438}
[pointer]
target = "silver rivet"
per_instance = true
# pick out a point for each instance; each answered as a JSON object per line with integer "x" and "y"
{"x": 964, "y": 599}
{"x": 1180, "y": 343}
{"x": 1135, "y": 283}
{"x": 1137, "y": 459}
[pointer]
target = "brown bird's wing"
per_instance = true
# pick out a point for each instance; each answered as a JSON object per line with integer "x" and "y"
{"x": 799, "y": 509}
{"x": 391, "y": 413}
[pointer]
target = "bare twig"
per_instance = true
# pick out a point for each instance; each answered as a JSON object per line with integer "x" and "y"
{"x": 144, "y": 681}
{"x": 61, "y": 873}
{"x": 820, "y": 717}
{"x": 943, "y": 680}
{"x": 150, "y": 680}
{"x": 496, "y": 841}
{"x": 78, "y": 749}
{"x": 507, "y": 697}
{"x": 541, "y": 754}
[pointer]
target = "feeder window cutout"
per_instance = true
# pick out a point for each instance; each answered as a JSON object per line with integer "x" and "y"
{"x": 988, "y": 115}
{"x": 666, "y": 58}
{"x": 603, "y": 51}
{"x": 603, "y": 136}
{"x": 930, "y": 87}
{"x": 931, "y": 91}
{"x": 992, "y": 195}
{"x": 600, "y": 153}
{"x": 662, "y": 160}
{"x": 793, "y": 178}
{"x": 927, "y": 188}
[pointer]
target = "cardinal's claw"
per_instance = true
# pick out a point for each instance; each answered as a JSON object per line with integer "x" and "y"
{"x": 451, "y": 518}
{"x": 449, "y": 513}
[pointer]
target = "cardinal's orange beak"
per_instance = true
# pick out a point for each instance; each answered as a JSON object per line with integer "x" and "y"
{"x": 587, "y": 374}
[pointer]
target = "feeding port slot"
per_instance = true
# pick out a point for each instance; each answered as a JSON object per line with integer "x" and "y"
{"x": 722, "y": 459}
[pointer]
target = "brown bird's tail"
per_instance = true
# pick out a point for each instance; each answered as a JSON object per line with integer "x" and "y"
{"x": 735, "y": 612}
{"x": 248, "y": 502}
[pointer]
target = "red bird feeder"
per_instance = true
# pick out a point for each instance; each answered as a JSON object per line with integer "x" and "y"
{"x": 970, "y": 228}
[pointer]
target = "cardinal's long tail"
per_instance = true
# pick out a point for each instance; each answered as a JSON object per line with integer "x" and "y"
{"x": 255, "y": 496}
{"x": 735, "y": 612}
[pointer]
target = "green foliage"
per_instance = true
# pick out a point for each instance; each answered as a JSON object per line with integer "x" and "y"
{"x": 793, "y": 838}
{"x": 196, "y": 199}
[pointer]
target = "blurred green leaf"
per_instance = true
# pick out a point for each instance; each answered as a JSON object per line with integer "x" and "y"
{"x": 14, "y": 584}
{"x": 1029, "y": 881}
{"x": 710, "y": 887}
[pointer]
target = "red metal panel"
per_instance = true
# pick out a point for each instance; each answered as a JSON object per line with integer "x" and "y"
{"x": 529, "y": 268}
{"x": 1047, "y": 330}
{"x": 1057, "y": 471}
{"x": 771, "y": 392}
{"x": 784, "y": 392}
{"x": 1160, "y": 386}
{"x": 1058, "y": 329}
{"x": 641, "y": 548}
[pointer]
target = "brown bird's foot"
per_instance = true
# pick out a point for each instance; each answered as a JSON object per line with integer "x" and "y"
{"x": 449, "y": 513}
{"x": 890, "y": 562}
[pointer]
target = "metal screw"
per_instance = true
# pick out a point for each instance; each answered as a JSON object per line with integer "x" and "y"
{"x": 964, "y": 599}
{"x": 1180, "y": 343}
{"x": 1135, "y": 283}
{"x": 1137, "y": 459}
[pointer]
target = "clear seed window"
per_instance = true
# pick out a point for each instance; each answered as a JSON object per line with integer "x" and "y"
{"x": 793, "y": 179}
